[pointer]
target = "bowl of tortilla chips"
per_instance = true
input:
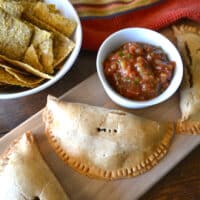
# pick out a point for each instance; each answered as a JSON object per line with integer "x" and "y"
{"x": 39, "y": 42}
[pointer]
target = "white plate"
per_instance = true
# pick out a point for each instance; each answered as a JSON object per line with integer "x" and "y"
{"x": 67, "y": 10}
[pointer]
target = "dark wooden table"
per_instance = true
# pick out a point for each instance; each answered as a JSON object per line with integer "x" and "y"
{"x": 182, "y": 183}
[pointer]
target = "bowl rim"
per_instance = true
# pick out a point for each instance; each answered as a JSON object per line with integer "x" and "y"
{"x": 134, "y": 104}
{"x": 66, "y": 66}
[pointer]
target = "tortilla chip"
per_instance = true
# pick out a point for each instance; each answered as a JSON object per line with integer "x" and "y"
{"x": 22, "y": 75}
{"x": 49, "y": 16}
{"x": 52, "y": 8}
{"x": 26, "y": 79}
{"x": 13, "y": 8}
{"x": 3, "y": 86}
{"x": 62, "y": 46}
{"x": 46, "y": 55}
{"x": 20, "y": 65}
{"x": 40, "y": 35}
{"x": 15, "y": 78}
{"x": 15, "y": 36}
{"x": 31, "y": 58}
{"x": 44, "y": 13}
{"x": 43, "y": 43}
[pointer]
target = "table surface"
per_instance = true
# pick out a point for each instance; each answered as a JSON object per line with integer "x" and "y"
{"x": 182, "y": 183}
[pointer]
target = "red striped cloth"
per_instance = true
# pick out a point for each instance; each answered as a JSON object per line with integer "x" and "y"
{"x": 95, "y": 30}
{"x": 92, "y": 8}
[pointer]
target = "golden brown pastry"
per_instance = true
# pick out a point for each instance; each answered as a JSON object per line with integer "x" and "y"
{"x": 188, "y": 42}
{"x": 104, "y": 143}
{"x": 24, "y": 175}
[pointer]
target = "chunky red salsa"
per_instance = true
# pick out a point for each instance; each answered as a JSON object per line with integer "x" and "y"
{"x": 139, "y": 71}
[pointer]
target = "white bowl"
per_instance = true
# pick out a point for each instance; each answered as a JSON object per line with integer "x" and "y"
{"x": 143, "y": 35}
{"x": 67, "y": 10}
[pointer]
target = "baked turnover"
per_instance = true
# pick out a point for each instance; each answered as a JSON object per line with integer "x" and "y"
{"x": 188, "y": 42}
{"x": 104, "y": 143}
{"x": 24, "y": 175}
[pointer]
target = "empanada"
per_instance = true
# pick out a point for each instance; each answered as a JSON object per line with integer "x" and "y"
{"x": 104, "y": 143}
{"x": 188, "y": 42}
{"x": 25, "y": 175}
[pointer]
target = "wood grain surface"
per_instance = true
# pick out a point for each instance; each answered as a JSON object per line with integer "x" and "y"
{"x": 182, "y": 183}
{"x": 79, "y": 187}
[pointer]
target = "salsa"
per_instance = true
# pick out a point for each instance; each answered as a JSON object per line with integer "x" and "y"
{"x": 139, "y": 71}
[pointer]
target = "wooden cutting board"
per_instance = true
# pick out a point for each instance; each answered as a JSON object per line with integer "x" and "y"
{"x": 80, "y": 187}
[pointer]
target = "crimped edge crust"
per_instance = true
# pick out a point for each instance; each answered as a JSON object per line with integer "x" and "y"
{"x": 95, "y": 172}
{"x": 5, "y": 155}
{"x": 185, "y": 27}
{"x": 189, "y": 127}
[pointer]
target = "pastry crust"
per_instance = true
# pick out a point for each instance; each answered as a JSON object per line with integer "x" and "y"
{"x": 102, "y": 143}
{"x": 25, "y": 175}
{"x": 188, "y": 42}
{"x": 188, "y": 127}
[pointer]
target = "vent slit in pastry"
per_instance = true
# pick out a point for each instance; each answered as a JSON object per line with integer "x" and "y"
{"x": 187, "y": 66}
{"x": 188, "y": 53}
{"x": 123, "y": 145}
{"x": 106, "y": 130}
